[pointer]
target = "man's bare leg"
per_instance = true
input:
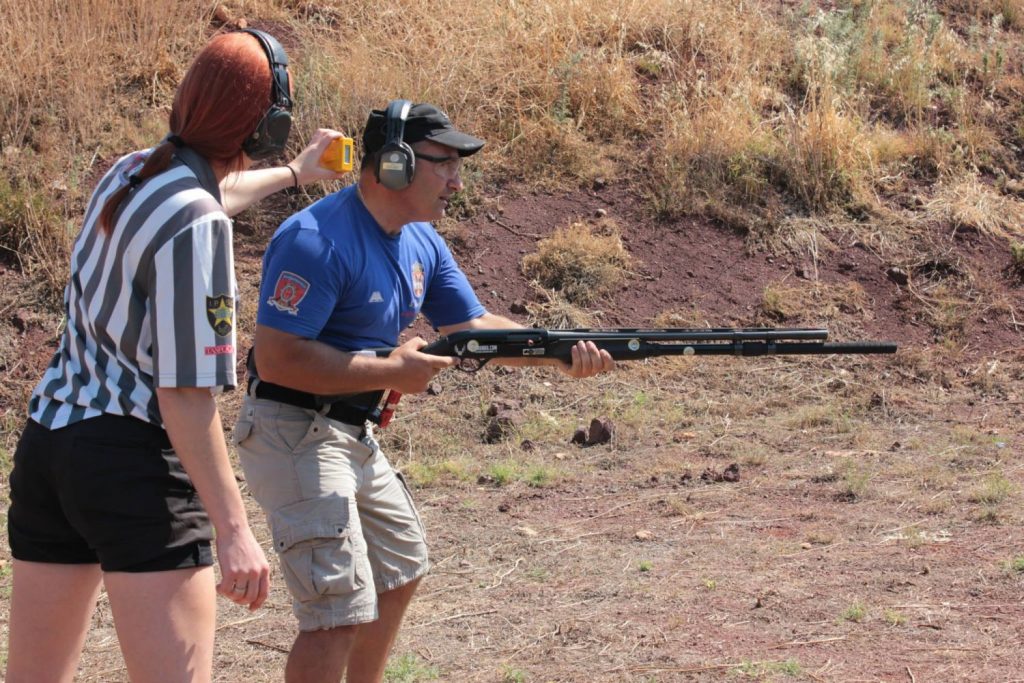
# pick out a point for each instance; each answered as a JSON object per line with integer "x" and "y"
{"x": 320, "y": 656}
{"x": 374, "y": 640}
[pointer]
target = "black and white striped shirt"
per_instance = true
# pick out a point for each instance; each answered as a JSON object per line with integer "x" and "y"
{"x": 150, "y": 305}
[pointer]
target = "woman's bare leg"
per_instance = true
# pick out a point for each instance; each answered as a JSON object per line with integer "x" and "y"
{"x": 165, "y": 623}
{"x": 51, "y": 607}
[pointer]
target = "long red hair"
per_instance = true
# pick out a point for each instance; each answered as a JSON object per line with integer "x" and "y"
{"x": 218, "y": 104}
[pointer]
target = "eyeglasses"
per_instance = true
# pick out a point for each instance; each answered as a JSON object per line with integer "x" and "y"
{"x": 446, "y": 167}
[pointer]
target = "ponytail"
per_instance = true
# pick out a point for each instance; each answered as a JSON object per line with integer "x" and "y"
{"x": 157, "y": 162}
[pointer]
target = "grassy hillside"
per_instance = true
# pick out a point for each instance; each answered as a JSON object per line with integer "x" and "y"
{"x": 847, "y": 163}
{"x": 892, "y": 118}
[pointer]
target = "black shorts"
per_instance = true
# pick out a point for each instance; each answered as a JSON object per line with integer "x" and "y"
{"x": 109, "y": 489}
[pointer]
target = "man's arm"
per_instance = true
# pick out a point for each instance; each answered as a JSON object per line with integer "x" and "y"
{"x": 317, "y": 368}
{"x": 241, "y": 190}
{"x": 488, "y": 321}
{"x": 587, "y": 359}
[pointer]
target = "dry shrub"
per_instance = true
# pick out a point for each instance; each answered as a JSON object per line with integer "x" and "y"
{"x": 915, "y": 153}
{"x": 923, "y": 365}
{"x": 713, "y": 147}
{"x": 904, "y": 61}
{"x": 1003, "y": 13}
{"x": 886, "y": 56}
{"x": 715, "y": 152}
{"x": 580, "y": 263}
{"x": 978, "y": 138}
{"x": 826, "y": 158}
{"x": 944, "y": 289}
{"x": 969, "y": 203}
{"x": 946, "y": 310}
{"x": 842, "y": 307}
{"x": 555, "y": 312}
{"x": 560, "y": 149}
{"x": 692, "y": 319}
{"x": 998, "y": 377}
{"x": 1017, "y": 259}
{"x": 979, "y": 146}
{"x": 807, "y": 240}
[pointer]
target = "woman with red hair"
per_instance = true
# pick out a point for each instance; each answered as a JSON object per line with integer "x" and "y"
{"x": 121, "y": 474}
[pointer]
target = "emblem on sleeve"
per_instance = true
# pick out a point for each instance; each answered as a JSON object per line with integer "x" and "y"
{"x": 220, "y": 311}
{"x": 417, "y": 280}
{"x": 288, "y": 292}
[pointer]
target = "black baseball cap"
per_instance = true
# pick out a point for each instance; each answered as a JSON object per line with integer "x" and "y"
{"x": 425, "y": 122}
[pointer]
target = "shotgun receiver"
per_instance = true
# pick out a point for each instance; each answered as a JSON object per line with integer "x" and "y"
{"x": 474, "y": 348}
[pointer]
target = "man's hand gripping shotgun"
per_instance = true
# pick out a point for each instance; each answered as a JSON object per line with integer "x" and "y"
{"x": 474, "y": 348}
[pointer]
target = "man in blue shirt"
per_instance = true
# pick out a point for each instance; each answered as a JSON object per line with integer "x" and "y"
{"x": 343, "y": 276}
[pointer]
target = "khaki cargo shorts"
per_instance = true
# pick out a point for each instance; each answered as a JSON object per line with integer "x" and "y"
{"x": 343, "y": 523}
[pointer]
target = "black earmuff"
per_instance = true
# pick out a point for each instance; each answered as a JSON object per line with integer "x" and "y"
{"x": 396, "y": 162}
{"x": 271, "y": 132}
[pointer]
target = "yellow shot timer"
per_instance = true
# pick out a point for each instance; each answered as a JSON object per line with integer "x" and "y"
{"x": 338, "y": 155}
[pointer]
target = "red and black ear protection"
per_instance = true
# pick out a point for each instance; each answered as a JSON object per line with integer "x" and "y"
{"x": 396, "y": 162}
{"x": 271, "y": 132}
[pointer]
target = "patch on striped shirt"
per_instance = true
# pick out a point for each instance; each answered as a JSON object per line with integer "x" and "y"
{"x": 220, "y": 311}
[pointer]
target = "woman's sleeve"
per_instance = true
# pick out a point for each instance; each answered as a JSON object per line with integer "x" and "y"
{"x": 192, "y": 305}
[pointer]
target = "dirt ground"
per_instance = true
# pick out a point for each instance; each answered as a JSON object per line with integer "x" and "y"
{"x": 869, "y": 527}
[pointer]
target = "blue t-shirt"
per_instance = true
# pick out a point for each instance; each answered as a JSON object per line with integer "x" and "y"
{"x": 332, "y": 274}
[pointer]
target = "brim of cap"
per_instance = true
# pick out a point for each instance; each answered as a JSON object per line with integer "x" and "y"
{"x": 464, "y": 144}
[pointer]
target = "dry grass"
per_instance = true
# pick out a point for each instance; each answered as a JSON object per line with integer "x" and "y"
{"x": 555, "y": 312}
{"x": 826, "y": 160}
{"x": 1002, "y": 13}
{"x": 715, "y": 149}
{"x": 843, "y": 309}
{"x": 87, "y": 83}
{"x": 581, "y": 262}
{"x": 971, "y": 204}
{"x": 740, "y": 113}
{"x": 888, "y": 56}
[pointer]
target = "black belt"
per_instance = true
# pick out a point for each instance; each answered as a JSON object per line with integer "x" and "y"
{"x": 336, "y": 410}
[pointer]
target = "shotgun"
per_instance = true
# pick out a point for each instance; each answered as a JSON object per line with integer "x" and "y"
{"x": 474, "y": 348}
